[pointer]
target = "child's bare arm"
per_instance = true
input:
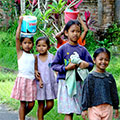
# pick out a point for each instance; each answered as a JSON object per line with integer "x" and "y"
{"x": 58, "y": 35}
{"x": 18, "y": 35}
{"x": 83, "y": 35}
{"x": 116, "y": 114}
{"x": 84, "y": 115}
{"x": 37, "y": 74}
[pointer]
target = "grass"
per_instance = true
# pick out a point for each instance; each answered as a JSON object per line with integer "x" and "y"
{"x": 7, "y": 82}
{"x": 8, "y": 57}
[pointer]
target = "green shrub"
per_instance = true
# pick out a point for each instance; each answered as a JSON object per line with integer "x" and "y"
{"x": 113, "y": 34}
{"x": 91, "y": 44}
{"x": 109, "y": 37}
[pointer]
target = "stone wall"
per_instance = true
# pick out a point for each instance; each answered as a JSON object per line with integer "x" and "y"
{"x": 92, "y": 7}
{"x": 102, "y": 10}
{"x": 108, "y": 12}
{"x": 3, "y": 17}
{"x": 89, "y": 5}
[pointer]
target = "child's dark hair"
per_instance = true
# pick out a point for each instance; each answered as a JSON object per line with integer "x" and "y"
{"x": 100, "y": 50}
{"x": 70, "y": 23}
{"x": 22, "y": 38}
{"x": 44, "y": 38}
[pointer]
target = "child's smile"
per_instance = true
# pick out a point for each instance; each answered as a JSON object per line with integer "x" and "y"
{"x": 101, "y": 61}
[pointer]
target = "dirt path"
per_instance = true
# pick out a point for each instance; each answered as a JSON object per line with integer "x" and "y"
{"x": 7, "y": 114}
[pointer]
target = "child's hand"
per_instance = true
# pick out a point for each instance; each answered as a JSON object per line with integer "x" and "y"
{"x": 70, "y": 66}
{"x": 40, "y": 83}
{"x": 84, "y": 115}
{"x": 60, "y": 33}
{"x": 37, "y": 74}
{"x": 116, "y": 114}
{"x": 84, "y": 65}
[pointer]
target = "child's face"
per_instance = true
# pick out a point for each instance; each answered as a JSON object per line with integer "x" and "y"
{"x": 27, "y": 45}
{"x": 73, "y": 33}
{"x": 42, "y": 47}
{"x": 101, "y": 61}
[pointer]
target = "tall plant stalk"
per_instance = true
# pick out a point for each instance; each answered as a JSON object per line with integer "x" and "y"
{"x": 22, "y": 4}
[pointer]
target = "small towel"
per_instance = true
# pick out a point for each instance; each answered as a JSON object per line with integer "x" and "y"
{"x": 71, "y": 82}
{"x": 71, "y": 75}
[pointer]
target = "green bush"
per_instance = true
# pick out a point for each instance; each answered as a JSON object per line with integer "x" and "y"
{"x": 109, "y": 37}
{"x": 91, "y": 44}
{"x": 113, "y": 34}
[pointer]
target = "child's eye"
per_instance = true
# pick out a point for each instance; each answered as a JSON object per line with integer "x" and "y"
{"x": 72, "y": 30}
{"x": 106, "y": 59}
{"x": 44, "y": 45}
{"x": 100, "y": 59}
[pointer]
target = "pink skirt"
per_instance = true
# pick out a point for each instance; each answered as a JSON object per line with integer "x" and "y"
{"x": 24, "y": 89}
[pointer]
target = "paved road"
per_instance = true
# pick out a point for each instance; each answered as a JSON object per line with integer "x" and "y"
{"x": 6, "y": 114}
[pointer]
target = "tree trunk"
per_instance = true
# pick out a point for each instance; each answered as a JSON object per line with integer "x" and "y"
{"x": 22, "y": 4}
{"x": 100, "y": 12}
{"x": 117, "y": 11}
{"x": 105, "y": 12}
{"x": 38, "y": 4}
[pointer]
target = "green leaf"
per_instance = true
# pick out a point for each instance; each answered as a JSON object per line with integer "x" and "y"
{"x": 48, "y": 12}
{"x": 54, "y": 1}
{"x": 51, "y": 6}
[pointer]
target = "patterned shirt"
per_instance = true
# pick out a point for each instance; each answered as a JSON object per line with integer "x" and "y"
{"x": 62, "y": 58}
{"x": 99, "y": 88}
